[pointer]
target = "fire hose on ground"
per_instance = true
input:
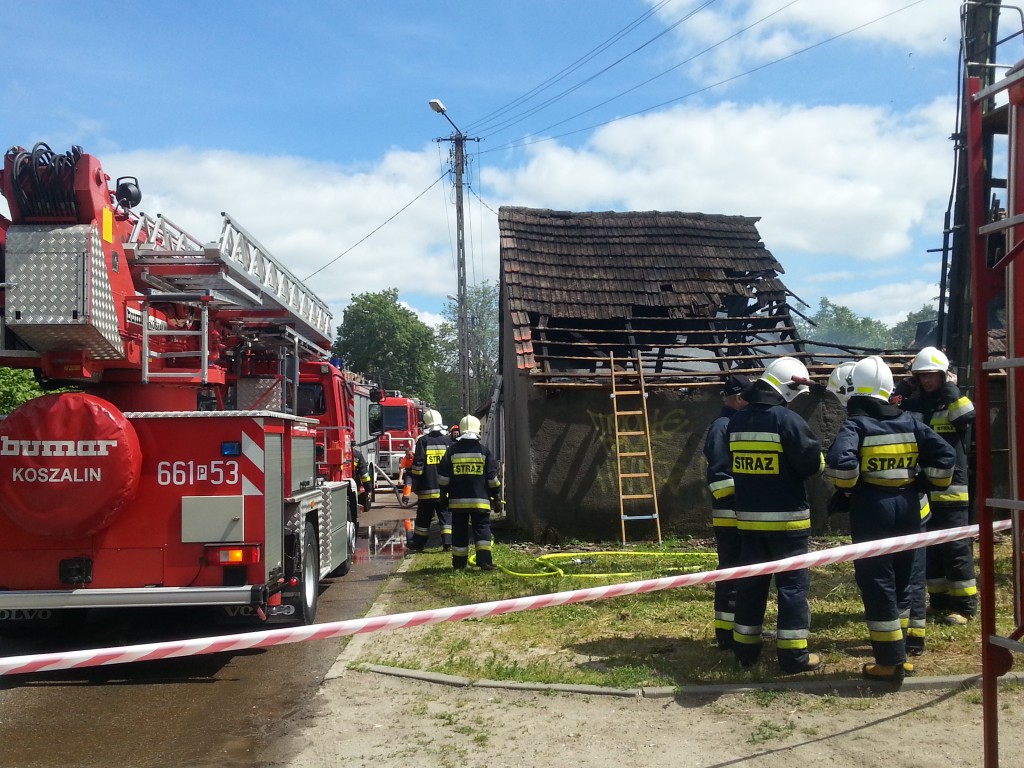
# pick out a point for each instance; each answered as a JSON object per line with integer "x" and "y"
{"x": 95, "y": 657}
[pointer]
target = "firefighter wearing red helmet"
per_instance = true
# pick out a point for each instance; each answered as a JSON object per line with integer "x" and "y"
{"x": 938, "y": 402}
{"x": 771, "y": 452}
{"x": 880, "y": 456}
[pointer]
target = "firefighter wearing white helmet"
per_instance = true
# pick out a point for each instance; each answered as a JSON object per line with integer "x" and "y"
{"x": 872, "y": 377}
{"x": 880, "y": 457}
{"x": 787, "y": 376}
{"x": 430, "y": 449}
{"x": 839, "y": 383}
{"x": 771, "y": 452}
{"x": 938, "y": 402}
{"x": 469, "y": 427}
{"x": 470, "y": 487}
{"x": 930, "y": 360}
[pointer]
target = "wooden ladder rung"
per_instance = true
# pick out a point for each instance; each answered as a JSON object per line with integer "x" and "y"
{"x": 634, "y": 380}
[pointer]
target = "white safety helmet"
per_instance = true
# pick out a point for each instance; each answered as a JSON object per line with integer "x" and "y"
{"x": 787, "y": 376}
{"x": 469, "y": 428}
{"x": 930, "y": 359}
{"x": 432, "y": 421}
{"x": 839, "y": 382}
{"x": 872, "y": 377}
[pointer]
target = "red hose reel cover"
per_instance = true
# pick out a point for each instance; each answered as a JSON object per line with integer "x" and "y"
{"x": 69, "y": 463}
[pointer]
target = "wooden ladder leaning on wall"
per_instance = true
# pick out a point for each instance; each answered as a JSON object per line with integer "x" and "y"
{"x": 634, "y": 460}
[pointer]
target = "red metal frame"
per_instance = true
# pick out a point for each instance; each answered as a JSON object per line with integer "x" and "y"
{"x": 996, "y": 656}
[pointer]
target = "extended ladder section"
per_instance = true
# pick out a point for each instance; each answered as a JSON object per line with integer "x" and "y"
{"x": 997, "y": 275}
{"x": 235, "y": 276}
{"x": 236, "y": 272}
{"x": 634, "y": 461}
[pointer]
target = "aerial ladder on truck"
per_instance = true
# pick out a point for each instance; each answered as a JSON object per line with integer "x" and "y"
{"x": 206, "y": 458}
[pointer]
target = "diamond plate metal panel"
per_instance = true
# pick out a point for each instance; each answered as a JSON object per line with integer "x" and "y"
{"x": 61, "y": 299}
{"x": 263, "y": 393}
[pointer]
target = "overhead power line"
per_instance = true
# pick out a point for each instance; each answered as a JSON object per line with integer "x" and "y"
{"x": 516, "y": 119}
{"x": 766, "y": 65}
{"x": 378, "y": 228}
{"x": 482, "y": 123}
{"x": 673, "y": 68}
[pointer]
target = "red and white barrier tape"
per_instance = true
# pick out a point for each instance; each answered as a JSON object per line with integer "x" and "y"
{"x": 44, "y": 662}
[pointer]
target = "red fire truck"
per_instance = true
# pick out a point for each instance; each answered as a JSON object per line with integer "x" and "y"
{"x": 203, "y": 456}
{"x": 399, "y": 419}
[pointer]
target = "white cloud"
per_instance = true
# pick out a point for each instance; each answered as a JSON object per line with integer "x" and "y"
{"x": 845, "y": 188}
{"x": 858, "y": 183}
{"x": 308, "y": 213}
{"x": 433, "y": 319}
{"x": 889, "y": 302}
{"x": 779, "y": 28}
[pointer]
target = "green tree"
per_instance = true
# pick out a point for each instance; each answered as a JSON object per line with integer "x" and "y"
{"x": 482, "y": 323}
{"x": 16, "y": 386}
{"x": 386, "y": 341}
{"x": 904, "y": 331}
{"x": 836, "y": 324}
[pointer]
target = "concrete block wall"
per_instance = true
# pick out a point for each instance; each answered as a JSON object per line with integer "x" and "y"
{"x": 560, "y": 470}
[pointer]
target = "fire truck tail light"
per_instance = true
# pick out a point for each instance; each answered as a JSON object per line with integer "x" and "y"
{"x": 239, "y": 554}
{"x": 231, "y": 448}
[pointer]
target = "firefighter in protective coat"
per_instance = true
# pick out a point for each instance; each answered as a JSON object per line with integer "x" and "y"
{"x": 468, "y": 476}
{"x": 950, "y": 574}
{"x": 772, "y": 452}
{"x": 881, "y": 456}
{"x": 364, "y": 480}
{"x": 430, "y": 449}
{"x": 723, "y": 518}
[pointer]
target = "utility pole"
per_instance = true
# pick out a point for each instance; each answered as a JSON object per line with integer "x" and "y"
{"x": 458, "y": 140}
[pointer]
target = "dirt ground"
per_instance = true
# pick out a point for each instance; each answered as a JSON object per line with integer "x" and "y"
{"x": 369, "y": 719}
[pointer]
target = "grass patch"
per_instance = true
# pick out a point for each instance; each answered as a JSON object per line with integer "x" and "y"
{"x": 663, "y": 638}
{"x": 768, "y": 730}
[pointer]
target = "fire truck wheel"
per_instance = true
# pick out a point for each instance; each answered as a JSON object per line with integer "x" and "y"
{"x": 309, "y": 578}
{"x": 350, "y": 538}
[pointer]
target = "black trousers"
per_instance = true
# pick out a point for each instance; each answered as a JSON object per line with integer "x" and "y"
{"x": 727, "y": 539}
{"x": 886, "y": 582}
{"x": 426, "y": 509}
{"x": 463, "y": 521}
{"x": 952, "y": 584}
{"x": 752, "y": 600}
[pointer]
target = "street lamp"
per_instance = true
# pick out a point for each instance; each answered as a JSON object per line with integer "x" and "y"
{"x": 458, "y": 140}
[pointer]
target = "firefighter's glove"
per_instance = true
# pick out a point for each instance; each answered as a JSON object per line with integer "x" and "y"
{"x": 839, "y": 503}
{"x": 922, "y": 484}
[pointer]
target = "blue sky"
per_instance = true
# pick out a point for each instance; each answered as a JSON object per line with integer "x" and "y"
{"x": 309, "y": 123}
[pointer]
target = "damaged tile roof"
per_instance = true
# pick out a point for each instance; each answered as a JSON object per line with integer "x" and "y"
{"x": 612, "y": 265}
{"x": 570, "y": 279}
